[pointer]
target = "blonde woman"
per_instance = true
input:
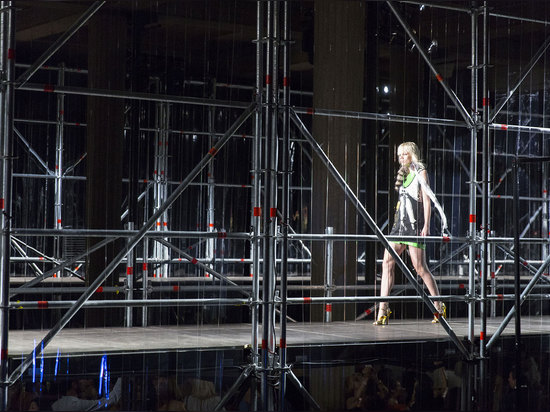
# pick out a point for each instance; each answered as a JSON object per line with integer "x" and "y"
{"x": 412, "y": 218}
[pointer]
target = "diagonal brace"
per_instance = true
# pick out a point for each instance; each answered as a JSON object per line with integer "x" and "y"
{"x": 438, "y": 76}
{"x": 365, "y": 215}
{"x": 202, "y": 265}
{"x": 82, "y": 20}
{"x": 523, "y": 296}
{"x": 521, "y": 78}
{"x": 132, "y": 242}
{"x": 33, "y": 152}
{"x": 61, "y": 266}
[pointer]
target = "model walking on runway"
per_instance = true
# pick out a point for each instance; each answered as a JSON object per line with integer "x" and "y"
{"x": 412, "y": 218}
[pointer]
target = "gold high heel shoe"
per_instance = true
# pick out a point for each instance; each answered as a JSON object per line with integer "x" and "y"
{"x": 442, "y": 313}
{"x": 383, "y": 319}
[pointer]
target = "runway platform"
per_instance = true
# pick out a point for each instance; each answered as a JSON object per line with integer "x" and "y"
{"x": 121, "y": 340}
{"x": 321, "y": 355}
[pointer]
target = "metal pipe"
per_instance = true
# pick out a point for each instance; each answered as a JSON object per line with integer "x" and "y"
{"x": 115, "y": 303}
{"x": 120, "y": 94}
{"x": 60, "y": 266}
{"x": 34, "y": 153}
{"x": 472, "y": 229}
{"x": 55, "y": 46}
{"x": 523, "y": 296}
{"x": 365, "y": 215}
{"x": 204, "y": 267}
{"x": 524, "y": 262}
{"x": 517, "y": 288}
{"x": 248, "y": 236}
{"x": 7, "y": 69}
{"x": 522, "y": 76}
{"x": 131, "y": 244}
{"x": 81, "y": 91}
{"x": 268, "y": 232}
{"x": 329, "y": 249}
{"x": 129, "y": 283}
{"x": 145, "y": 281}
{"x": 285, "y": 201}
{"x": 126, "y": 233}
{"x": 255, "y": 217}
{"x": 485, "y": 224}
{"x": 235, "y": 387}
{"x": 518, "y": 128}
{"x": 59, "y": 143}
{"x": 350, "y": 114}
{"x": 469, "y": 120}
{"x": 194, "y": 285}
{"x": 494, "y": 272}
{"x": 210, "y": 218}
{"x": 20, "y": 249}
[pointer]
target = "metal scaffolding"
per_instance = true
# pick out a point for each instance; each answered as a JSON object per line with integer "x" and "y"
{"x": 275, "y": 126}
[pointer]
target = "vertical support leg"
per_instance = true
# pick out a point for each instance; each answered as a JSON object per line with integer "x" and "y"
{"x": 129, "y": 284}
{"x": 7, "y": 69}
{"x": 472, "y": 230}
{"x": 270, "y": 205}
{"x": 517, "y": 291}
{"x": 485, "y": 229}
{"x": 328, "y": 274}
{"x": 58, "y": 207}
{"x": 161, "y": 252}
{"x": 285, "y": 200}
{"x": 210, "y": 242}
{"x": 256, "y": 187}
{"x": 145, "y": 281}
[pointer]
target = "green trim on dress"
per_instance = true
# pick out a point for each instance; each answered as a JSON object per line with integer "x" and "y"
{"x": 409, "y": 179}
{"x": 413, "y": 244}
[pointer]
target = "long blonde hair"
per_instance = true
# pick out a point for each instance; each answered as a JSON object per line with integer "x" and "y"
{"x": 414, "y": 151}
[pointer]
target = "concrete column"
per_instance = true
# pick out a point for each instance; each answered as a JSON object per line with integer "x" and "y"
{"x": 337, "y": 84}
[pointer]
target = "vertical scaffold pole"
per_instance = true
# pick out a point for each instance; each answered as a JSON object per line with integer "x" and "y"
{"x": 129, "y": 283}
{"x": 145, "y": 282}
{"x": 328, "y": 273}
{"x": 472, "y": 251}
{"x": 60, "y": 131}
{"x": 485, "y": 224}
{"x": 161, "y": 253}
{"x": 256, "y": 185}
{"x": 7, "y": 71}
{"x": 270, "y": 205}
{"x": 517, "y": 281}
{"x": 210, "y": 242}
{"x": 285, "y": 198}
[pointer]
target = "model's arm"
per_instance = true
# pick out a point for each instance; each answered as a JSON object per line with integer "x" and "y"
{"x": 427, "y": 206}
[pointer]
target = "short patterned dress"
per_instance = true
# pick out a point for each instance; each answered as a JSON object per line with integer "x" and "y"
{"x": 409, "y": 211}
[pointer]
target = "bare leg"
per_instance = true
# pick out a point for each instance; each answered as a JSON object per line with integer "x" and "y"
{"x": 388, "y": 276}
{"x": 418, "y": 258}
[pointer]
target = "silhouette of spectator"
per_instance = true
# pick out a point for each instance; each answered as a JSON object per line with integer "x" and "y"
{"x": 169, "y": 395}
{"x": 201, "y": 395}
{"x": 82, "y": 396}
{"x": 509, "y": 394}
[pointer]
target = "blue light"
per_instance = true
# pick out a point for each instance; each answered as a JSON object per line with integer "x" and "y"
{"x": 34, "y": 363}
{"x": 56, "y": 363}
{"x": 42, "y": 363}
{"x": 104, "y": 377}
